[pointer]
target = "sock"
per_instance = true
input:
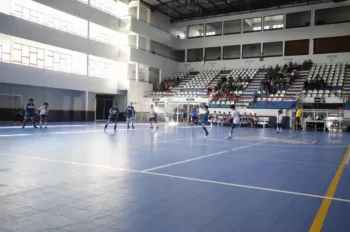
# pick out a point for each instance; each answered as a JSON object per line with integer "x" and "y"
{"x": 132, "y": 124}
{"x": 34, "y": 124}
{"x": 106, "y": 125}
{"x": 45, "y": 123}
{"x": 41, "y": 123}
{"x": 128, "y": 124}
{"x": 205, "y": 129}
{"x": 115, "y": 126}
{"x": 229, "y": 134}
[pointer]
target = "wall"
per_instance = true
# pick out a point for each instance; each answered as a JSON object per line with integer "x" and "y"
{"x": 270, "y": 36}
{"x": 17, "y": 74}
{"x": 83, "y": 11}
{"x": 168, "y": 67}
{"x": 160, "y": 20}
{"x": 136, "y": 93}
{"x": 64, "y": 105}
{"x": 17, "y": 27}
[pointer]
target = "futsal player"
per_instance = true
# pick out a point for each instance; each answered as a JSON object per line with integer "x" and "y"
{"x": 43, "y": 112}
{"x": 205, "y": 120}
{"x": 233, "y": 120}
{"x": 130, "y": 114}
{"x": 279, "y": 122}
{"x": 113, "y": 117}
{"x": 29, "y": 113}
{"x": 153, "y": 119}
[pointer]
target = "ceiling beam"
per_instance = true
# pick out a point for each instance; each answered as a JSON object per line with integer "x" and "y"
{"x": 213, "y": 4}
{"x": 152, "y": 8}
{"x": 172, "y": 8}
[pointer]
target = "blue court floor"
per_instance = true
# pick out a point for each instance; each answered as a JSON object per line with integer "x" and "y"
{"x": 75, "y": 177}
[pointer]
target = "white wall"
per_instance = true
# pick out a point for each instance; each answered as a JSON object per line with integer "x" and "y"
{"x": 168, "y": 67}
{"x": 83, "y": 11}
{"x": 312, "y": 32}
{"x": 160, "y": 20}
{"x": 17, "y": 27}
{"x": 136, "y": 93}
{"x": 58, "y": 99}
{"x": 17, "y": 74}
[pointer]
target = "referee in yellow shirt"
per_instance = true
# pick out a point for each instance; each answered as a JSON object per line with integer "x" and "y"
{"x": 298, "y": 118}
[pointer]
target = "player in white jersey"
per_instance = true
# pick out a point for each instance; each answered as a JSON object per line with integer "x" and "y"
{"x": 43, "y": 112}
{"x": 233, "y": 120}
{"x": 279, "y": 122}
{"x": 153, "y": 119}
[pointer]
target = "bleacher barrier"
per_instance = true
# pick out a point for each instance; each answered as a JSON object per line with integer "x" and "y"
{"x": 9, "y": 101}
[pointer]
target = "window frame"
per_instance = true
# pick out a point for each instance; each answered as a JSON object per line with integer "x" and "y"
{"x": 240, "y": 52}
{"x": 205, "y": 31}
{"x": 296, "y": 13}
{"x": 252, "y": 31}
{"x": 188, "y": 31}
{"x": 273, "y": 29}
{"x": 232, "y": 33}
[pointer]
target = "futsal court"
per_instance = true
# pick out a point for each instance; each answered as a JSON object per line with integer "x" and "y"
{"x": 75, "y": 177}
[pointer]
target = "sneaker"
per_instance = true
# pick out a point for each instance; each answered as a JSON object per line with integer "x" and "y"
{"x": 45, "y": 127}
{"x": 206, "y": 134}
{"x": 151, "y": 127}
{"x": 41, "y": 128}
{"x": 133, "y": 127}
{"x": 228, "y": 137}
{"x": 35, "y": 127}
{"x": 128, "y": 127}
{"x": 157, "y": 127}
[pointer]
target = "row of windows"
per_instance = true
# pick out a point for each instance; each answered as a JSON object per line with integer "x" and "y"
{"x": 64, "y": 61}
{"x": 41, "y": 14}
{"x": 112, "y": 7}
{"x": 271, "y": 49}
{"x": 266, "y": 23}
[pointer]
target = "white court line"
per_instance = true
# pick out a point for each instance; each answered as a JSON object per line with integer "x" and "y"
{"x": 13, "y": 135}
{"x": 185, "y": 178}
{"x": 197, "y": 158}
{"x": 348, "y": 159}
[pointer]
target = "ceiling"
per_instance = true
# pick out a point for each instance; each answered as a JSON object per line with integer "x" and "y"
{"x": 179, "y": 10}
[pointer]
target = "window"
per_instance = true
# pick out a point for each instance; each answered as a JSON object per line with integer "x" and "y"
{"x": 41, "y": 14}
{"x": 232, "y": 27}
{"x": 5, "y": 51}
{"x": 106, "y": 35}
{"x": 273, "y": 49}
{"x": 213, "y": 29}
{"x": 59, "y": 61}
{"x": 28, "y": 55}
{"x": 179, "y": 55}
{"x": 180, "y": 32}
{"x": 195, "y": 54}
{"x": 213, "y": 53}
{"x": 232, "y": 52}
{"x": 112, "y": 7}
{"x": 195, "y": 31}
{"x": 332, "y": 45}
{"x": 84, "y": 1}
{"x": 332, "y": 15}
{"x": 298, "y": 19}
{"x": 252, "y": 24}
{"x": 251, "y": 51}
{"x": 273, "y": 22}
{"x": 296, "y": 47}
{"x": 103, "y": 68}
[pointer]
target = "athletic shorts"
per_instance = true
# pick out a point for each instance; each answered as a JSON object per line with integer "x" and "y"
{"x": 130, "y": 119}
{"x": 279, "y": 125}
{"x": 184, "y": 116}
{"x": 112, "y": 119}
{"x": 29, "y": 116}
{"x": 43, "y": 116}
{"x": 152, "y": 119}
{"x": 233, "y": 126}
{"x": 194, "y": 118}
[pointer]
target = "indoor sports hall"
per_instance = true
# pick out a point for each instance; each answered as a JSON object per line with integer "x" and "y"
{"x": 79, "y": 178}
{"x": 174, "y": 115}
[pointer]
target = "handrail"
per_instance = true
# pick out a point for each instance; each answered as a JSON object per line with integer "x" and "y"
{"x": 154, "y": 53}
{"x": 131, "y": 16}
{"x": 241, "y": 97}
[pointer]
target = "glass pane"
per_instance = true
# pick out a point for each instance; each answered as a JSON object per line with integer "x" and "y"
{"x": 298, "y": 19}
{"x": 195, "y": 31}
{"x": 273, "y": 49}
{"x": 49, "y": 53}
{"x": 49, "y": 61}
{"x": 40, "y": 63}
{"x": 232, "y": 27}
{"x": 332, "y": 15}
{"x": 232, "y": 52}
{"x": 26, "y": 13}
{"x": 41, "y": 18}
{"x": 56, "y": 66}
{"x": 25, "y": 60}
{"x": 252, "y": 24}
{"x": 17, "y": 46}
{"x": 17, "y": 56}
{"x": 25, "y": 51}
{"x": 6, "y": 47}
{"x": 180, "y": 32}
{"x": 251, "y": 50}
{"x": 212, "y": 29}
{"x": 5, "y": 57}
{"x": 56, "y": 23}
{"x": 56, "y": 57}
{"x": 273, "y": 22}
{"x": 41, "y": 54}
{"x": 195, "y": 54}
{"x": 213, "y": 53}
{"x": 33, "y": 50}
{"x": 33, "y": 58}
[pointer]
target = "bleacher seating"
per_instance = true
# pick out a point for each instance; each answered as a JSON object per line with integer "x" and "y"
{"x": 202, "y": 80}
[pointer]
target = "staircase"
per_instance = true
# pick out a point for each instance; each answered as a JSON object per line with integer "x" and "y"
{"x": 346, "y": 89}
{"x": 254, "y": 85}
{"x": 182, "y": 84}
{"x": 298, "y": 85}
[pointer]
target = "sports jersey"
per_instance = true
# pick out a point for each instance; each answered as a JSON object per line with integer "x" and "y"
{"x": 206, "y": 116}
{"x": 153, "y": 113}
{"x": 44, "y": 110}
{"x": 279, "y": 118}
{"x": 130, "y": 111}
{"x": 113, "y": 113}
{"x": 30, "y": 108}
{"x": 194, "y": 113}
{"x": 299, "y": 112}
{"x": 235, "y": 117}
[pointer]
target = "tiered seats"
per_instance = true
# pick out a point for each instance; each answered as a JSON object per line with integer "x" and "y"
{"x": 320, "y": 93}
{"x": 202, "y": 80}
{"x": 333, "y": 74}
{"x": 243, "y": 72}
{"x": 279, "y": 96}
{"x": 191, "y": 94}
{"x": 182, "y": 75}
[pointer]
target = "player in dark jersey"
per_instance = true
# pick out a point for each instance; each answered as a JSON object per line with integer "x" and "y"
{"x": 130, "y": 114}
{"x": 205, "y": 120}
{"x": 113, "y": 116}
{"x": 30, "y": 113}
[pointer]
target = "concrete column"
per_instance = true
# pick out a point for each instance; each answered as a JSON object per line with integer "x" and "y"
{"x": 138, "y": 9}
{"x": 137, "y": 71}
{"x": 137, "y": 41}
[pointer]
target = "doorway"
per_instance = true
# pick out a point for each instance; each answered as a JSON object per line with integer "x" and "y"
{"x": 103, "y": 104}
